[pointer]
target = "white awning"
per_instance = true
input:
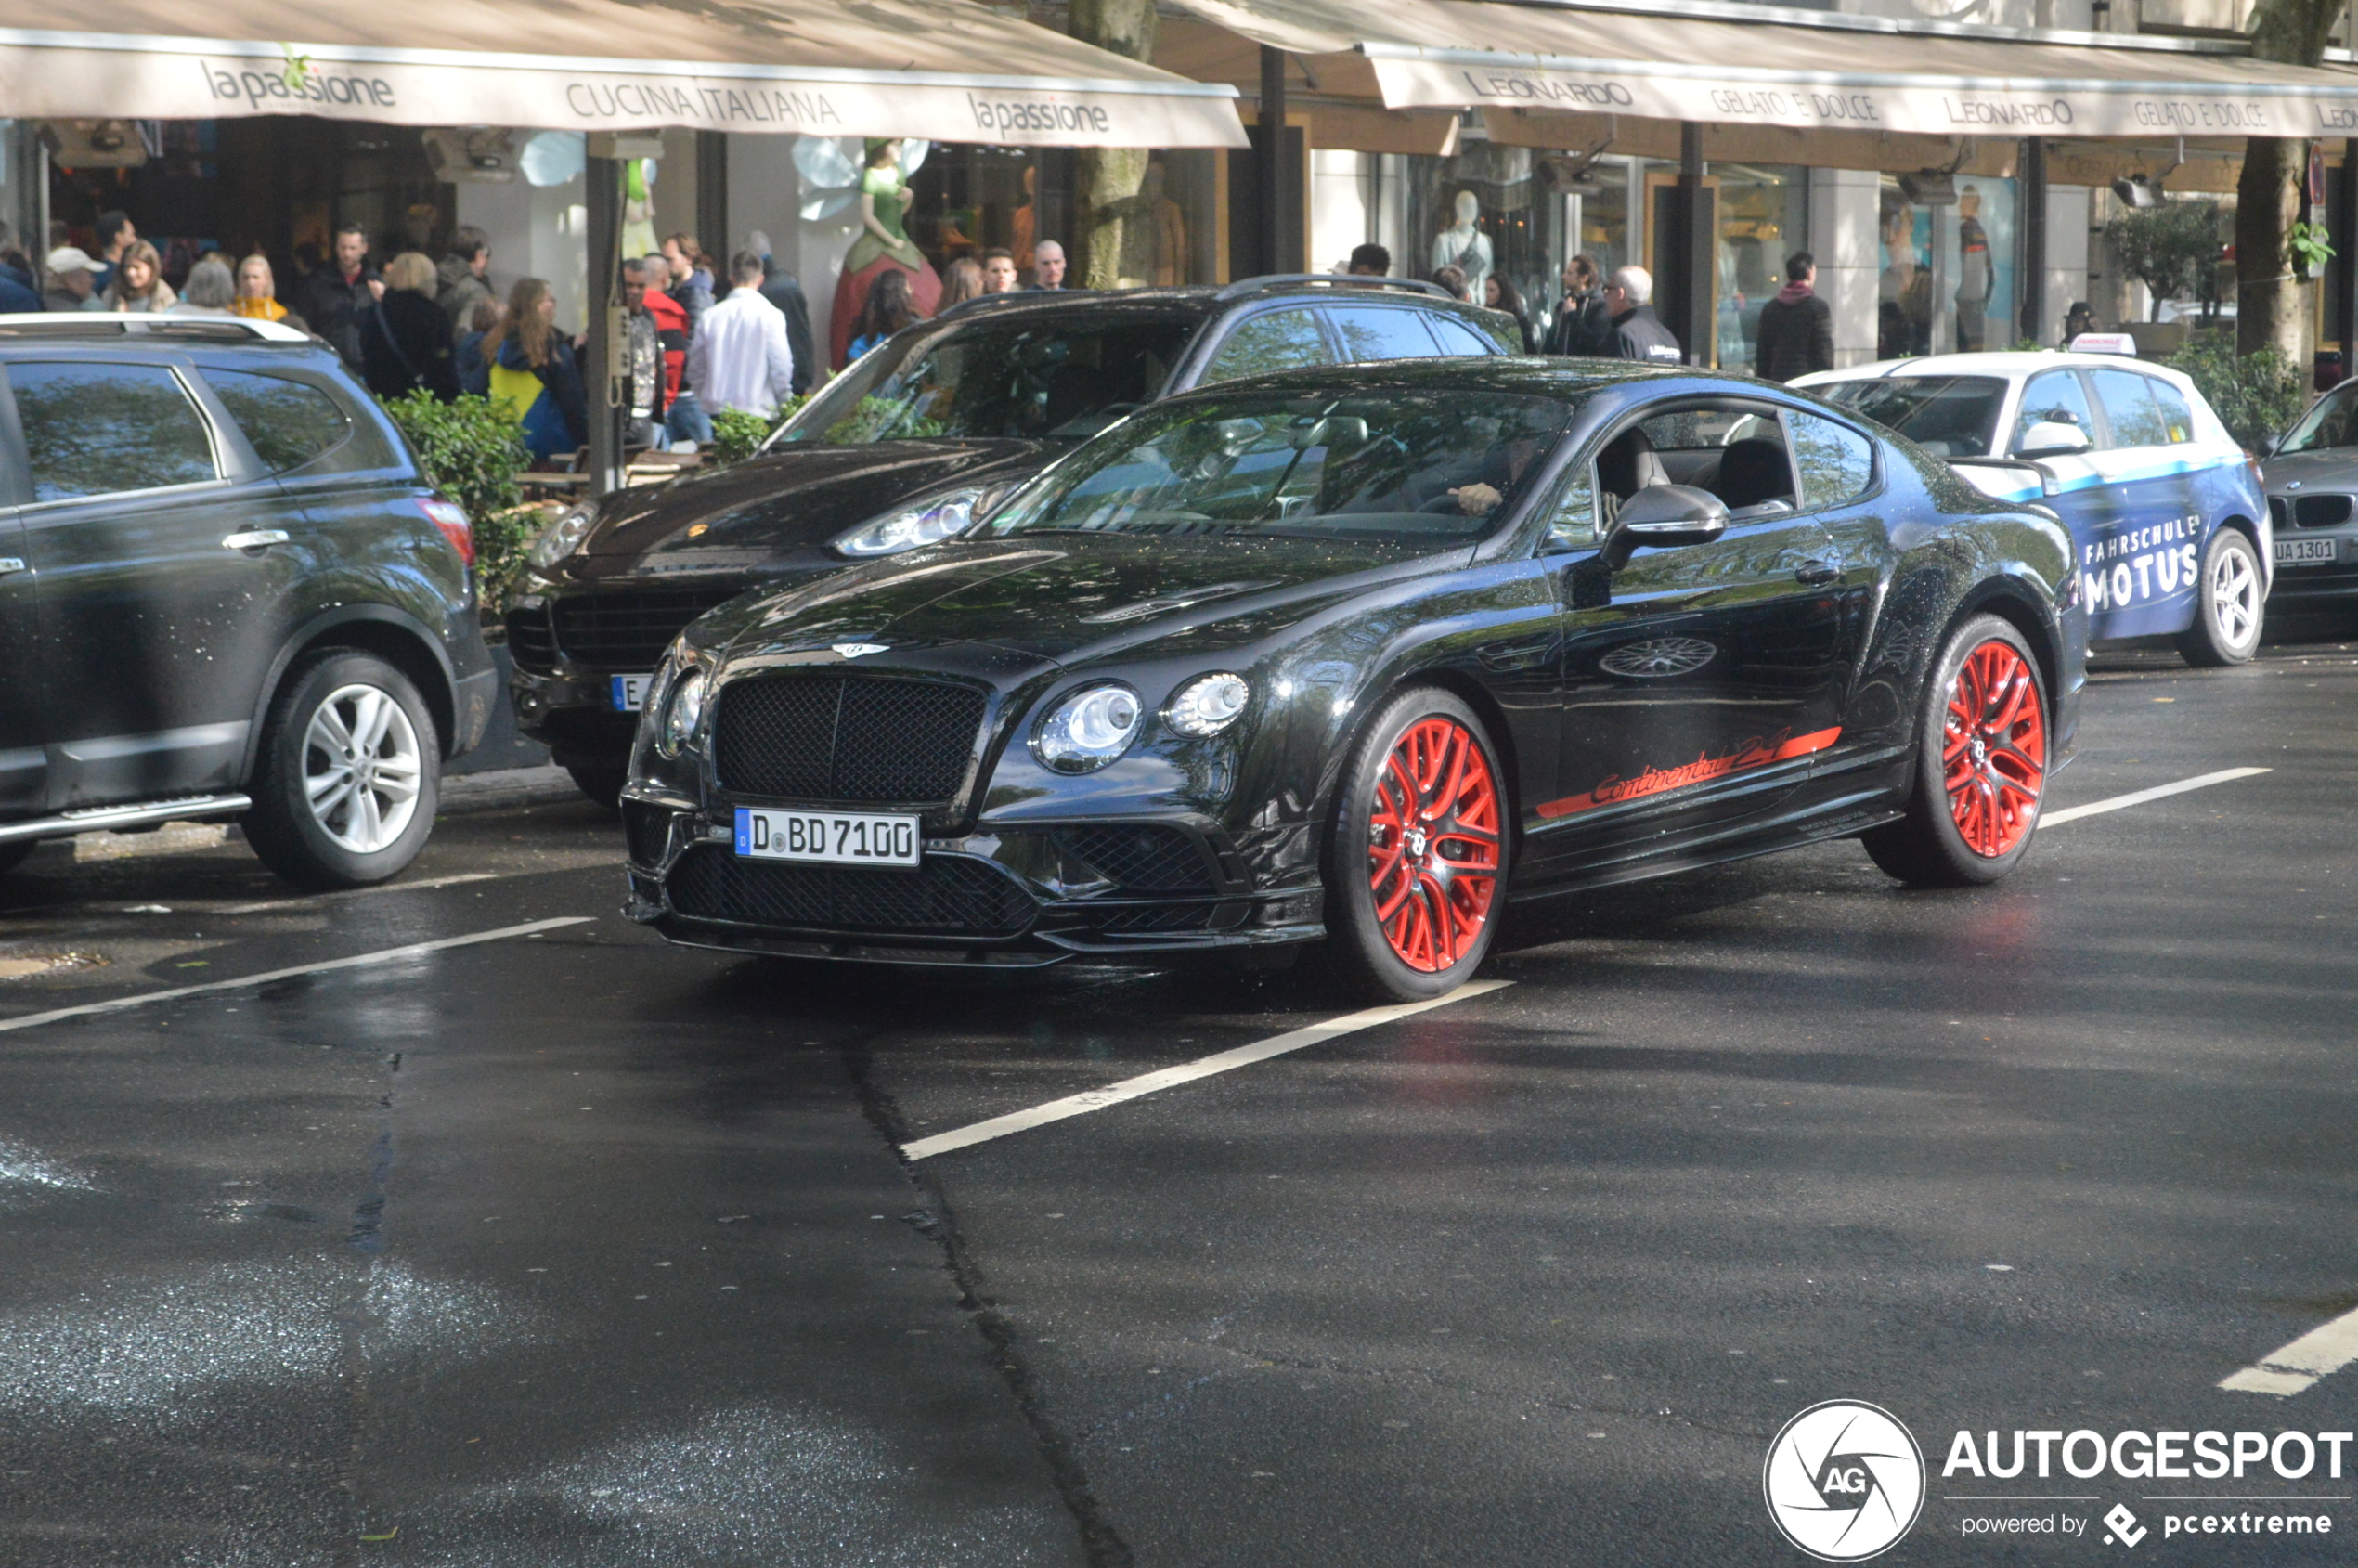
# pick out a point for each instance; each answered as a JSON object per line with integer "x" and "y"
{"x": 1458, "y": 54}
{"x": 944, "y": 69}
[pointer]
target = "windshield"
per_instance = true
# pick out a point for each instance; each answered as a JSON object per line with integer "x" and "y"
{"x": 1948, "y": 416}
{"x": 1442, "y": 466}
{"x": 2332, "y": 420}
{"x": 1032, "y": 377}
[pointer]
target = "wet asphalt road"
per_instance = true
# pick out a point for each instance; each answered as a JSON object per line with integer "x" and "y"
{"x": 568, "y": 1249}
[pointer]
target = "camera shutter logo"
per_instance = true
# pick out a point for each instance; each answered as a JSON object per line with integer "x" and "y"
{"x": 1845, "y": 1481}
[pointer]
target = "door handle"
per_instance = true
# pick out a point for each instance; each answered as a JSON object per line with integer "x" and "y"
{"x": 1813, "y": 573}
{"x": 257, "y": 539}
{"x": 10, "y": 565}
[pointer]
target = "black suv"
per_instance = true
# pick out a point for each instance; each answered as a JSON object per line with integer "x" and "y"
{"x": 905, "y": 447}
{"x": 225, "y": 590}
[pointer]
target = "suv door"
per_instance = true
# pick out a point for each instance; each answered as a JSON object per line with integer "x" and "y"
{"x": 24, "y": 766}
{"x": 2134, "y": 538}
{"x": 155, "y": 575}
{"x": 1699, "y": 679}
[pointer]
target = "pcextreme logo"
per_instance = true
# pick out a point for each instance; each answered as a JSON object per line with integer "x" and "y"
{"x": 1844, "y": 1481}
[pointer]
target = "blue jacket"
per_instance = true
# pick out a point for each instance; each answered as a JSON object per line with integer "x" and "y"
{"x": 557, "y": 419}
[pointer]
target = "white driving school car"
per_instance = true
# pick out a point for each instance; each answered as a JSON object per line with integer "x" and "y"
{"x": 2164, "y": 506}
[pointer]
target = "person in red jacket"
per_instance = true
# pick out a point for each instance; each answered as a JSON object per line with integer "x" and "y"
{"x": 681, "y": 419}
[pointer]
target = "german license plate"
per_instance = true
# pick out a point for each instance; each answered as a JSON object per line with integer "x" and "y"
{"x": 826, "y": 837}
{"x": 630, "y": 692}
{"x": 2304, "y": 552}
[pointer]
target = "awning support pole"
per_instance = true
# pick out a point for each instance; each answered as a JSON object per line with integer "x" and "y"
{"x": 602, "y": 360}
{"x": 2034, "y": 239}
{"x": 712, "y": 199}
{"x": 2342, "y": 223}
{"x": 1269, "y": 164}
{"x": 1690, "y": 250}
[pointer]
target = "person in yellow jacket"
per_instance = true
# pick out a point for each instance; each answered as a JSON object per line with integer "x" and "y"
{"x": 258, "y": 293}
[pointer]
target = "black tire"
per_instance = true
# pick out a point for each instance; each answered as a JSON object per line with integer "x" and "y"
{"x": 291, "y": 836}
{"x": 1358, "y": 949}
{"x": 14, "y": 853}
{"x": 2230, "y": 594}
{"x": 601, "y": 782}
{"x": 1927, "y": 848}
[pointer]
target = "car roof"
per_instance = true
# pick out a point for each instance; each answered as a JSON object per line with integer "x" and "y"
{"x": 87, "y": 327}
{"x": 1538, "y": 373}
{"x": 1204, "y": 300}
{"x": 2009, "y": 364}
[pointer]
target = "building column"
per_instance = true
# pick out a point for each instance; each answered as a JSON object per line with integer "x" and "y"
{"x": 2032, "y": 271}
{"x": 1272, "y": 209}
{"x": 600, "y": 368}
{"x": 2066, "y": 256}
{"x": 1686, "y": 303}
{"x": 712, "y": 204}
{"x": 1846, "y": 238}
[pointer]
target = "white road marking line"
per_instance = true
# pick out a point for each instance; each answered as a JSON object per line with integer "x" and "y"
{"x": 364, "y": 892}
{"x": 2118, "y": 802}
{"x": 2322, "y": 1351}
{"x": 358, "y": 961}
{"x": 1187, "y": 1072}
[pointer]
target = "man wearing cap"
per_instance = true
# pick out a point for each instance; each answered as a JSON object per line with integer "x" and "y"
{"x": 71, "y": 283}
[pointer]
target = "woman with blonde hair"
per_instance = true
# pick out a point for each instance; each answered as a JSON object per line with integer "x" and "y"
{"x": 405, "y": 339}
{"x": 534, "y": 374}
{"x": 137, "y": 287}
{"x": 259, "y": 292}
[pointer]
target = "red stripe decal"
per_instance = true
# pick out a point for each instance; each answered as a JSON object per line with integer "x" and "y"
{"x": 1757, "y": 752}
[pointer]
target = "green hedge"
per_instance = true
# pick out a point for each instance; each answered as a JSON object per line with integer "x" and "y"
{"x": 2256, "y": 397}
{"x": 472, "y": 451}
{"x": 736, "y": 434}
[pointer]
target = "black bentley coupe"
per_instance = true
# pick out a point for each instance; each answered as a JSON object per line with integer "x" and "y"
{"x": 1359, "y": 656}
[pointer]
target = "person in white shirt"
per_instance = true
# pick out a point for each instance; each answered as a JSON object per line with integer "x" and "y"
{"x": 738, "y": 357}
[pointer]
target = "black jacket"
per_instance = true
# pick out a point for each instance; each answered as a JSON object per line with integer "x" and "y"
{"x": 332, "y": 308}
{"x": 405, "y": 344}
{"x": 784, "y": 290}
{"x": 1794, "y": 339}
{"x": 1581, "y": 326}
{"x": 1640, "y": 335}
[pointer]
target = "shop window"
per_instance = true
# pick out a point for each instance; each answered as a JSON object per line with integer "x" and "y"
{"x": 1836, "y": 462}
{"x": 288, "y": 424}
{"x": 95, "y": 430}
{"x": 1763, "y": 218}
{"x": 1485, "y": 213}
{"x": 1274, "y": 340}
{"x": 971, "y": 199}
{"x": 1948, "y": 282}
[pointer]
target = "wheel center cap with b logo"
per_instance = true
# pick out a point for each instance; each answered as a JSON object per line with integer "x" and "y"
{"x": 1844, "y": 1481}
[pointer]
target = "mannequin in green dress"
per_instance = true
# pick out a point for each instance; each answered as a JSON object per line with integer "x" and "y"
{"x": 882, "y": 242}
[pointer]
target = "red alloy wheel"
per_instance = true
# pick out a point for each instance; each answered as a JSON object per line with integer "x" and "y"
{"x": 1432, "y": 845}
{"x": 1993, "y": 752}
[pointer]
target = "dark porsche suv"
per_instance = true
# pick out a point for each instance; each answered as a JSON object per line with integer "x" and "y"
{"x": 226, "y": 589}
{"x": 905, "y": 448}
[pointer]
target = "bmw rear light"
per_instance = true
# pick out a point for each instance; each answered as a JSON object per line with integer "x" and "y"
{"x": 452, "y": 520}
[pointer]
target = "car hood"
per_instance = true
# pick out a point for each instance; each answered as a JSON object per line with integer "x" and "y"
{"x": 1068, "y": 599}
{"x": 2335, "y": 468}
{"x": 772, "y": 509}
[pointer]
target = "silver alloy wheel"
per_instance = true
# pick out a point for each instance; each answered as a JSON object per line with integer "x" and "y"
{"x": 2234, "y": 598}
{"x": 361, "y": 767}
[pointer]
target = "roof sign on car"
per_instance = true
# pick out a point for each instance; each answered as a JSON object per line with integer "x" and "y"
{"x": 2104, "y": 343}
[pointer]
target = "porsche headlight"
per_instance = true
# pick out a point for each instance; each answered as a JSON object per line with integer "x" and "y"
{"x": 1208, "y": 704}
{"x": 912, "y": 527}
{"x": 562, "y": 539}
{"x": 682, "y": 711}
{"x": 1088, "y": 729}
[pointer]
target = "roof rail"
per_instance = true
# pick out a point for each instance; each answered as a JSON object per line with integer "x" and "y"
{"x": 986, "y": 301}
{"x": 95, "y": 324}
{"x": 1244, "y": 286}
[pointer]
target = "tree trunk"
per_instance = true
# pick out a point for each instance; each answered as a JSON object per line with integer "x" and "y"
{"x": 2272, "y": 302}
{"x": 1113, "y": 244}
{"x": 2272, "y": 306}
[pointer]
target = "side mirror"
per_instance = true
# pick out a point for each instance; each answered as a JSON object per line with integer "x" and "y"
{"x": 2052, "y": 438}
{"x": 1661, "y": 516}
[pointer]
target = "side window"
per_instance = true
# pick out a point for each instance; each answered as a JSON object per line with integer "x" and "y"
{"x": 1276, "y": 340}
{"x": 1377, "y": 332}
{"x": 289, "y": 423}
{"x": 2055, "y": 397}
{"x": 1575, "y": 523}
{"x": 96, "y": 430}
{"x": 1458, "y": 338}
{"x": 2177, "y": 414}
{"x": 2130, "y": 408}
{"x": 1836, "y": 463}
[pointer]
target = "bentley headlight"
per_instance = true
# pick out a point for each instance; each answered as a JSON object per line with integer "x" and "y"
{"x": 1088, "y": 729}
{"x": 912, "y": 527}
{"x": 563, "y": 538}
{"x": 683, "y": 710}
{"x": 1208, "y": 704}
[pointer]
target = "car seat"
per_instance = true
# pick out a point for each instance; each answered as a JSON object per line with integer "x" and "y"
{"x": 1751, "y": 471}
{"x": 1627, "y": 465}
